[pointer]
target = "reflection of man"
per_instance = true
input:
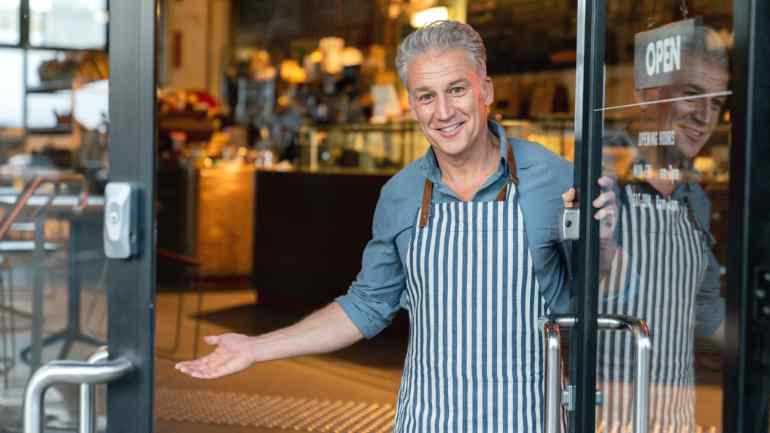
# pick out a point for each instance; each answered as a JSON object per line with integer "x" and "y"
{"x": 666, "y": 272}
{"x": 450, "y": 245}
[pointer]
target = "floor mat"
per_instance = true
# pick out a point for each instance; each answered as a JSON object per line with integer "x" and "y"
{"x": 290, "y": 413}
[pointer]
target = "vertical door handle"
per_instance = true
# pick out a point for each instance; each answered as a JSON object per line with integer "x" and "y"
{"x": 72, "y": 372}
{"x": 87, "y": 398}
{"x": 551, "y": 331}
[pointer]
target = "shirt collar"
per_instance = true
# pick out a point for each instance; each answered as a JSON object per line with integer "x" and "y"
{"x": 431, "y": 170}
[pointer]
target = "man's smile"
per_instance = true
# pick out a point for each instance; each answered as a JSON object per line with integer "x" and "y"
{"x": 450, "y": 130}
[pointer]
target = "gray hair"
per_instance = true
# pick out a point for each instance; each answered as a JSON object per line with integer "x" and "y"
{"x": 441, "y": 36}
{"x": 707, "y": 45}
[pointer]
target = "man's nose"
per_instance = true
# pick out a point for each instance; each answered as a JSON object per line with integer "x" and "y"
{"x": 705, "y": 111}
{"x": 444, "y": 108}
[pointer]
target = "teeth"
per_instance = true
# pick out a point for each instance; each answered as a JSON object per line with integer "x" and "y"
{"x": 450, "y": 128}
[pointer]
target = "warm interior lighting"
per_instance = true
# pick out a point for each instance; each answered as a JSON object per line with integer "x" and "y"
{"x": 427, "y": 16}
{"x": 352, "y": 56}
{"x": 292, "y": 72}
{"x": 331, "y": 48}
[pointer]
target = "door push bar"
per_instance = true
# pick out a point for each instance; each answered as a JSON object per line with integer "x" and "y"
{"x": 551, "y": 330}
{"x": 96, "y": 370}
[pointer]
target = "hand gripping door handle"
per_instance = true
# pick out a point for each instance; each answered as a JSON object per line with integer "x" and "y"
{"x": 551, "y": 331}
{"x": 72, "y": 372}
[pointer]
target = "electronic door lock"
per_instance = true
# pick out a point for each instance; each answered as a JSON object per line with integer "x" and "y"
{"x": 120, "y": 220}
{"x": 570, "y": 224}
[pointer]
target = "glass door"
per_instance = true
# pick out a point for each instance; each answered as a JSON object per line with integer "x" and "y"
{"x": 659, "y": 104}
{"x": 77, "y": 120}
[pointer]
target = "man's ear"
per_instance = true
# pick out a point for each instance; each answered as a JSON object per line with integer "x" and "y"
{"x": 488, "y": 90}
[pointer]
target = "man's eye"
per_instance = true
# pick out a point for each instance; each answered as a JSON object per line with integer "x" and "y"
{"x": 457, "y": 91}
{"x": 426, "y": 97}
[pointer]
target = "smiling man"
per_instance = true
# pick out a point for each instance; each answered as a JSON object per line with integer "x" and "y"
{"x": 466, "y": 240}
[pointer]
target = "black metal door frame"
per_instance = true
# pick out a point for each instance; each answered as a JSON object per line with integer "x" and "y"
{"x": 747, "y": 332}
{"x": 747, "y": 350}
{"x": 131, "y": 282}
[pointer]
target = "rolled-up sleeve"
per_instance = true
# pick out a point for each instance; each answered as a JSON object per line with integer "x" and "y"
{"x": 374, "y": 297}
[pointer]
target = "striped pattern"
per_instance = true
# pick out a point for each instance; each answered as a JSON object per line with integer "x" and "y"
{"x": 271, "y": 411}
{"x": 656, "y": 279}
{"x": 474, "y": 362}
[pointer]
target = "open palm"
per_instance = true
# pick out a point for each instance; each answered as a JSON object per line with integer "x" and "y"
{"x": 233, "y": 353}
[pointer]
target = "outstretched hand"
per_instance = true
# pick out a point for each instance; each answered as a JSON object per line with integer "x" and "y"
{"x": 233, "y": 353}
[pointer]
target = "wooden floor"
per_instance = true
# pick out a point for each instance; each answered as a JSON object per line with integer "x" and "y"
{"x": 361, "y": 381}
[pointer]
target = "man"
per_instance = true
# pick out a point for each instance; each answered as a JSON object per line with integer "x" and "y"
{"x": 665, "y": 271}
{"x": 465, "y": 239}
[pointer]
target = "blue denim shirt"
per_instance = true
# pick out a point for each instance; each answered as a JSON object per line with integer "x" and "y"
{"x": 379, "y": 289}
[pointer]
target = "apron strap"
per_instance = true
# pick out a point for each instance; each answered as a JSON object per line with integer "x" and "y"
{"x": 512, "y": 178}
{"x": 427, "y": 191}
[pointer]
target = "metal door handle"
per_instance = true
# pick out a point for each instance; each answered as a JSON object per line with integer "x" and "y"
{"x": 72, "y": 372}
{"x": 551, "y": 331}
{"x": 87, "y": 398}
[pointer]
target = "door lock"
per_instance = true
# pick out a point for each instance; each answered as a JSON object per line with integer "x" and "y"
{"x": 120, "y": 220}
{"x": 570, "y": 224}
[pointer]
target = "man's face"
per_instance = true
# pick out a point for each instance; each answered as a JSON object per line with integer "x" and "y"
{"x": 449, "y": 99}
{"x": 694, "y": 120}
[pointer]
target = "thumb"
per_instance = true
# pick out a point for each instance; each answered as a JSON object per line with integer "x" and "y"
{"x": 212, "y": 339}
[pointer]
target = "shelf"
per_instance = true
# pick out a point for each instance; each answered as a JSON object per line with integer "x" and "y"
{"x": 50, "y": 88}
{"x": 55, "y": 130}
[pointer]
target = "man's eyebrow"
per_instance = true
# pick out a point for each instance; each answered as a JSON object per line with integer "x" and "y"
{"x": 423, "y": 89}
{"x": 459, "y": 81}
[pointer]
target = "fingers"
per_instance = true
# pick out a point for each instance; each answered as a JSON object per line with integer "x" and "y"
{"x": 207, "y": 367}
{"x": 212, "y": 339}
{"x": 605, "y": 199}
{"x": 606, "y": 182}
{"x": 605, "y": 214}
{"x": 568, "y": 197}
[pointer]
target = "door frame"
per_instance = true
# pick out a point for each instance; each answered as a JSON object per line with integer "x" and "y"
{"x": 747, "y": 350}
{"x": 132, "y": 157}
{"x": 746, "y": 373}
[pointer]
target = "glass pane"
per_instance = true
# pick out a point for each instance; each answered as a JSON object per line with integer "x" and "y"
{"x": 68, "y": 23}
{"x": 666, "y": 145}
{"x": 52, "y": 268}
{"x": 9, "y": 22}
{"x": 11, "y": 77}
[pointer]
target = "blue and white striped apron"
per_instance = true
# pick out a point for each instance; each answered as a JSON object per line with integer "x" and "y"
{"x": 662, "y": 267}
{"x": 474, "y": 362}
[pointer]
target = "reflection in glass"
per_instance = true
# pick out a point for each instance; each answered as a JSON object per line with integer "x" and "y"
{"x": 658, "y": 260}
{"x": 68, "y": 23}
{"x": 9, "y": 22}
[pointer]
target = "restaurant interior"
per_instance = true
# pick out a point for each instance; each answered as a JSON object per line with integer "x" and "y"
{"x": 278, "y": 123}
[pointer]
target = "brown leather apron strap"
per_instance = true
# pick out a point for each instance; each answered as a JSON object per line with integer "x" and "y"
{"x": 503, "y": 192}
{"x": 512, "y": 176}
{"x": 427, "y": 192}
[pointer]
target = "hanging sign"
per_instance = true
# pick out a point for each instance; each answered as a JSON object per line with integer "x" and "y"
{"x": 659, "y": 54}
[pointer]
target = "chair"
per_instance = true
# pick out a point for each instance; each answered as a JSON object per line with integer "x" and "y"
{"x": 38, "y": 246}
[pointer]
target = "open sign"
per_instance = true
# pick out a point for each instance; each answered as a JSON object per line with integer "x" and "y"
{"x": 659, "y": 54}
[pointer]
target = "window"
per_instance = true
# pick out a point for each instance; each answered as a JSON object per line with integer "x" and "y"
{"x": 68, "y": 23}
{"x": 9, "y": 22}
